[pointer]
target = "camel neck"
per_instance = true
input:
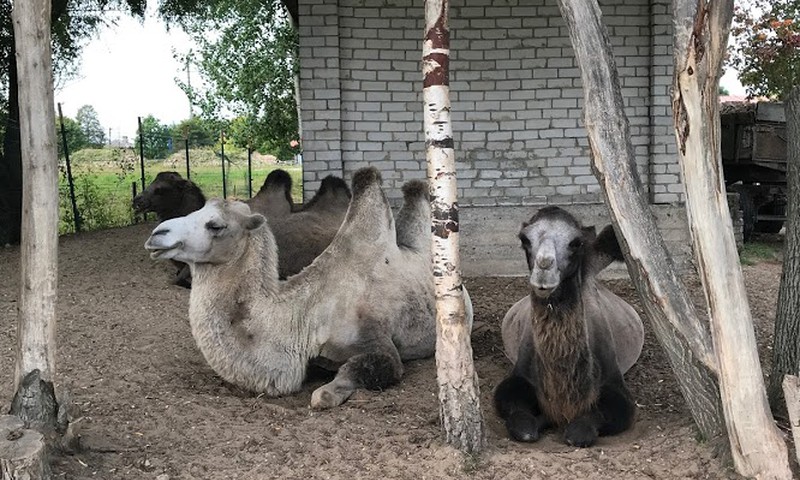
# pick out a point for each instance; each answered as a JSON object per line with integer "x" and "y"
{"x": 243, "y": 331}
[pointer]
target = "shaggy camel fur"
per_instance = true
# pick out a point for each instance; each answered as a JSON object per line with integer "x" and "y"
{"x": 571, "y": 339}
{"x": 169, "y": 196}
{"x": 364, "y": 306}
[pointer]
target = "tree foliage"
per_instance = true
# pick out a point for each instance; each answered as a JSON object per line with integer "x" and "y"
{"x": 72, "y": 22}
{"x": 247, "y": 70}
{"x": 766, "y": 50}
{"x": 90, "y": 126}
{"x": 199, "y": 131}
{"x": 76, "y": 139}
{"x": 156, "y": 138}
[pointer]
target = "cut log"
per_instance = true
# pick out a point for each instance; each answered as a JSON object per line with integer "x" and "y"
{"x": 791, "y": 392}
{"x": 23, "y": 454}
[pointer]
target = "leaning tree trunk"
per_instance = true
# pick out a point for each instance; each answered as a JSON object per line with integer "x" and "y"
{"x": 35, "y": 362}
{"x": 700, "y": 34}
{"x": 786, "y": 347}
{"x": 458, "y": 383}
{"x": 666, "y": 302}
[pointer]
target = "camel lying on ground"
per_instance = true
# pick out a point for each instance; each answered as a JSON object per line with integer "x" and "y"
{"x": 365, "y": 305}
{"x": 571, "y": 339}
{"x": 301, "y": 234}
{"x": 170, "y": 196}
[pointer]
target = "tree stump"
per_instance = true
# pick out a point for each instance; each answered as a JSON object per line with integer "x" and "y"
{"x": 791, "y": 392}
{"x": 22, "y": 451}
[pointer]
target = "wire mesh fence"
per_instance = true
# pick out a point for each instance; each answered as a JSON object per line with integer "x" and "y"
{"x": 97, "y": 186}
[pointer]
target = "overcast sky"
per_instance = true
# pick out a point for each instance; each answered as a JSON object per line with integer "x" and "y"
{"x": 129, "y": 71}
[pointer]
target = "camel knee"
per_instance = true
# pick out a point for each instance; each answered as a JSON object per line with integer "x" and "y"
{"x": 373, "y": 371}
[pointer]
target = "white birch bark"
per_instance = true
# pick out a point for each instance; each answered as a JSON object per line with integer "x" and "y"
{"x": 700, "y": 32}
{"x": 458, "y": 382}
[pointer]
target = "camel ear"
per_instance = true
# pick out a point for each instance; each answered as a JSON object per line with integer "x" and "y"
{"x": 254, "y": 221}
{"x": 589, "y": 234}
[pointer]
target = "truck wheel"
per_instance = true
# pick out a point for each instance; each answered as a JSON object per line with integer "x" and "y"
{"x": 771, "y": 226}
{"x": 748, "y": 211}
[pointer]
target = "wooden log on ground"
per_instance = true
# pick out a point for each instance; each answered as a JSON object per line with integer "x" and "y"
{"x": 791, "y": 392}
{"x": 23, "y": 454}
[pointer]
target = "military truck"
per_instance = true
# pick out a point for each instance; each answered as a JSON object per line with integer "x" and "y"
{"x": 754, "y": 162}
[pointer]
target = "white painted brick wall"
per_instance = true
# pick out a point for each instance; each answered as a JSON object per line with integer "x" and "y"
{"x": 515, "y": 91}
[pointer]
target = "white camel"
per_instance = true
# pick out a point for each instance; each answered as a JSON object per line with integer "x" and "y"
{"x": 362, "y": 307}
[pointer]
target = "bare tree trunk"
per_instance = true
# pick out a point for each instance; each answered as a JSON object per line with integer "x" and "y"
{"x": 677, "y": 326}
{"x": 39, "y": 253}
{"x": 22, "y": 451}
{"x": 791, "y": 391}
{"x": 458, "y": 383}
{"x": 700, "y": 32}
{"x": 786, "y": 346}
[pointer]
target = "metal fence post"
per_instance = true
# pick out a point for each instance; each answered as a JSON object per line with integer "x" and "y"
{"x": 141, "y": 158}
{"x": 222, "y": 146}
{"x": 141, "y": 151}
{"x": 76, "y": 216}
{"x": 249, "y": 172}
{"x": 134, "y": 217}
{"x": 187, "y": 159}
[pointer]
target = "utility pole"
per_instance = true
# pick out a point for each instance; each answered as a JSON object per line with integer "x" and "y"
{"x": 189, "y": 82}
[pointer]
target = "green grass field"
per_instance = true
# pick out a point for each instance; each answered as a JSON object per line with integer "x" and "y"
{"x": 104, "y": 186}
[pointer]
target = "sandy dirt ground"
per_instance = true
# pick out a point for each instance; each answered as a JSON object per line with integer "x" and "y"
{"x": 151, "y": 407}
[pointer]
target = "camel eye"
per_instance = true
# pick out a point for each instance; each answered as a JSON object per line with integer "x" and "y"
{"x": 214, "y": 227}
{"x": 576, "y": 243}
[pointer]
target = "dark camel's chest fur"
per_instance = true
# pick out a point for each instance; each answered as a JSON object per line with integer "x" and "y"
{"x": 567, "y": 377}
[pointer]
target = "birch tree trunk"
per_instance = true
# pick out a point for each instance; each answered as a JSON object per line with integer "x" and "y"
{"x": 458, "y": 383}
{"x": 700, "y": 34}
{"x": 678, "y": 328}
{"x": 786, "y": 344}
{"x": 36, "y": 330}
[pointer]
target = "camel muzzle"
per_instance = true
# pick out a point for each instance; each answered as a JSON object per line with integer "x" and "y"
{"x": 156, "y": 248}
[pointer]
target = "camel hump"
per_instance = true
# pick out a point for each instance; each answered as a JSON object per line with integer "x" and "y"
{"x": 333, "y": 184}
{"x": 333, "y": 194}
{"x": 364, "y": 178}
{"x": 413, "y": 221}
{"x": 169, "y": 176}
{"x": 278, "y": 178}
{"x": 414, "y": 189}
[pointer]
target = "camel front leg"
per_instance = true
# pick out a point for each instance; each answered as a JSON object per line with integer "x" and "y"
{"x": 516, "y": 403}
{"x": 374, "y": 369}
{"x": 614, "y": 413}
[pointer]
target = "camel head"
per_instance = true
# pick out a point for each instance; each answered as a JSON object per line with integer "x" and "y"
{"x": 166, "y": 196}
{"x": 555, "y": 245}
{"x": 214, "y": 234}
